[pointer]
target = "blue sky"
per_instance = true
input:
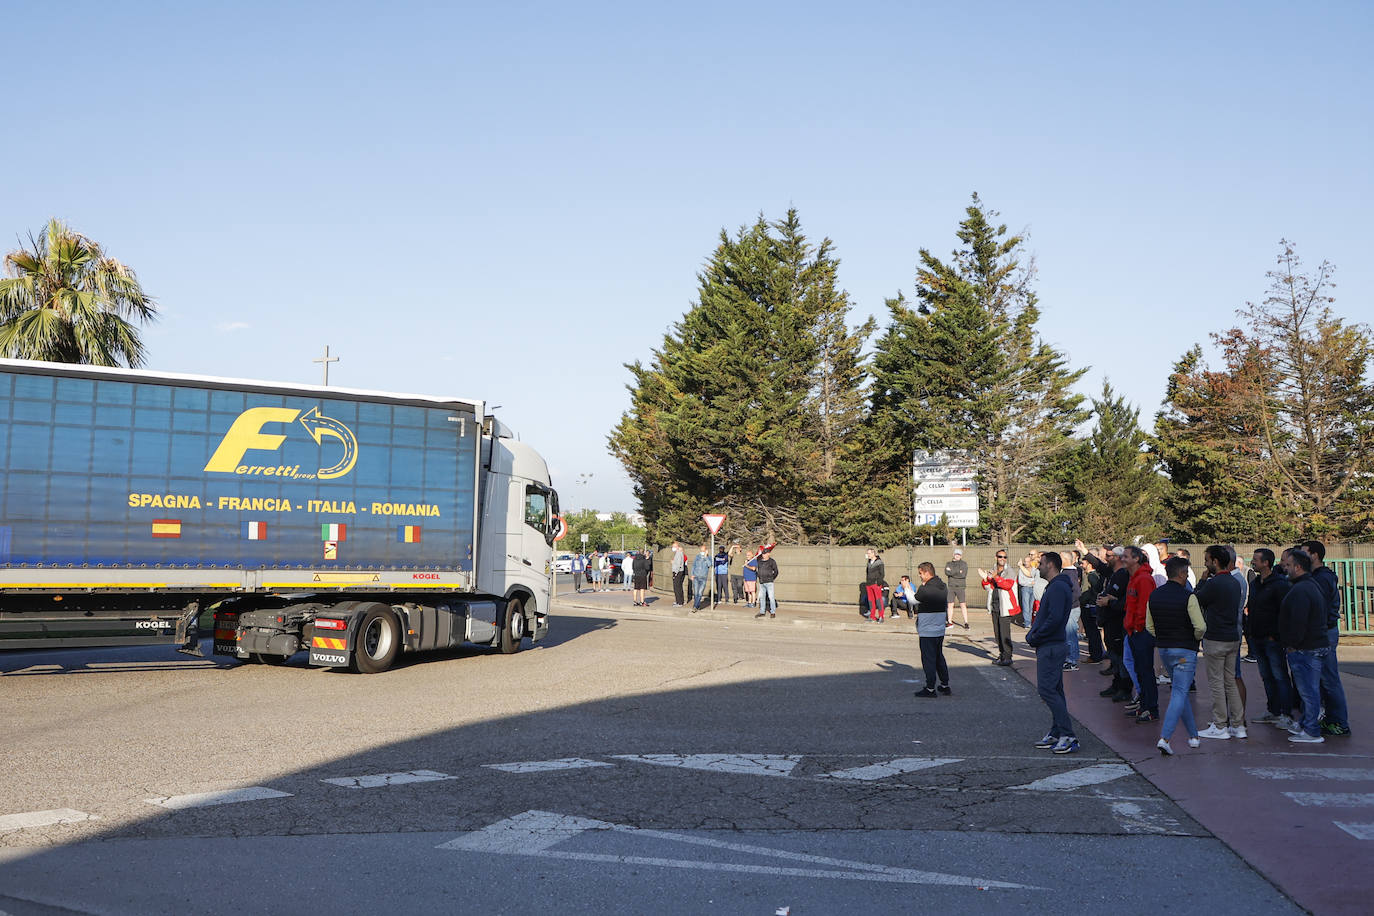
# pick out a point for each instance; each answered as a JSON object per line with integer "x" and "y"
{"x": 510, "y": 201}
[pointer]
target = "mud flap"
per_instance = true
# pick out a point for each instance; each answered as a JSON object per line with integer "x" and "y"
{"x": 329, "y": 651}
{"x": 540, "y": 628}
{"x": 188, "y": 631}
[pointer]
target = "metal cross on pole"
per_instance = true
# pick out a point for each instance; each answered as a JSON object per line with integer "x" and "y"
{"x": 326, "y": 359}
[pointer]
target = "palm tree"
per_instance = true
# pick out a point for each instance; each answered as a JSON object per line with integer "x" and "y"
{"x": 64, "y": 300}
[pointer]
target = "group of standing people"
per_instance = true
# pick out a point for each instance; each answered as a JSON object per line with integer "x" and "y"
{"x": 713, "y": 579}
{"x": 1152, "y": 610}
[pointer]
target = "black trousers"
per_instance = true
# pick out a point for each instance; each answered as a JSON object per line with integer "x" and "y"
{"x": 1088, "y": 617}
{"x": 1001, "y": 628}
{"x": 933, "y": 661}
{"x": 678, "y": 577}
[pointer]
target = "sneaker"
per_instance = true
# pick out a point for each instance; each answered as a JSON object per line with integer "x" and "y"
{"x": 1295, "y": 728}
{"x": 1162, "y": 679}
{"x": 944, "y": 688}
{"x": 771, "y": 615}
{"x": 761, "y": 614}
{"x": 948, "y": 624}
{"x": 1067, "y": 745}
{"x": 1070, "y": 666}
{"x": 1214, "y": 731}
{"x": 1146, "y": 716}
{"x": 964, "y": 625}
{"x": 1121, "y": 696}
{"x": 1132, "y": 707}
{"x": 1267, "y": 719}
{"x": 1194, "y": 742}
{"x": 1047, "y": 742}
{"x": 1333, "y": 730}
{"x": 926, "y": 692}
{"x": 1164, "y": 748}
{"x": 1238, "y": 731}
{"x": 1249, "y": 658}
{"x": 1282, "y": 722}
{"x": 1305, "y": 738}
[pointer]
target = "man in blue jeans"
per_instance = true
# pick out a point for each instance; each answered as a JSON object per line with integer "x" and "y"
{"x": 1046, "y": 636}
{"x": 1337, "y": 721}
{"x": 1266, "y": 597}
{"x": 1174, "y": 618}
{"x": 1302, "y": 630}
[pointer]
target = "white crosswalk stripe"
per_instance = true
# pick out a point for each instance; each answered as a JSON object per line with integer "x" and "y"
{"x": 1076, "y": 779}
{"x": 891, "y": 768}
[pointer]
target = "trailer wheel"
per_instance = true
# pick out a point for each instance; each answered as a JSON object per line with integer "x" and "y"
{"x": 379, "y": 641}
{"x": 513, "y": 632}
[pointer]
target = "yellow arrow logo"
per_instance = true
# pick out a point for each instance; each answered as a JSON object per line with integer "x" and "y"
{"x": 320, "y": 426}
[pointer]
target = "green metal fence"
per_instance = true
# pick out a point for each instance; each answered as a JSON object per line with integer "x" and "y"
{"x": 1357, "y": 595}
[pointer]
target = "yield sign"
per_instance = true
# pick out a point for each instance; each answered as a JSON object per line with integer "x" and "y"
{"x": 713, "y": 522}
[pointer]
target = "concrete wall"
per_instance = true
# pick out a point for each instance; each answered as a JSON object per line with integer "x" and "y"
{"x": 833, "y": 575}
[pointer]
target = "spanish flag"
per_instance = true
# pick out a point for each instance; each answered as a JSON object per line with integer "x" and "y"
{"x": 166, "y": 528}
{"x": 333, "y": 532}
{"x": 408, "y": 534}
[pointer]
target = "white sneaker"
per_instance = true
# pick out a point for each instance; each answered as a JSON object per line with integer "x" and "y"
{"x": 1283, "y": 722}
{"x": 1164, "y": 748}
{"x": 1267, "y": 719}
{"x": 1238, "y": 731}
{"x": 1305, "y": 738}
{"x": 1194, "y": 742}
{"x": 1215, "y": 731}
{"x": 1162, "y": 679}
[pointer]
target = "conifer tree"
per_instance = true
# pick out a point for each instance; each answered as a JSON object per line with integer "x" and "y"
{"x": 965, "y": 370}
{"x": 746, "y": 405}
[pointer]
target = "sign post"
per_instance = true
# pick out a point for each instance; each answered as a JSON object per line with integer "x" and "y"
{"x": 944, "y": 484}
{"x": 713, "y": 522}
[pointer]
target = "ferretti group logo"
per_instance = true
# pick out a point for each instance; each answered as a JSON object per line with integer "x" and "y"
{"x": 246, "y": 434}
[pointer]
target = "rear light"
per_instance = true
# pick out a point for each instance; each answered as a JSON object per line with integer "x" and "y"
{"x": 327, "y": 623}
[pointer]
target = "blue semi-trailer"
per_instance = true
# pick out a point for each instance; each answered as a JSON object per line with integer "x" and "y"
{"x": 352, "y": 525}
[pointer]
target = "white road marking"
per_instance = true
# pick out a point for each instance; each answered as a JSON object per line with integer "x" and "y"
{"x": 1007, "y": 681}
{"x": 746, "y": 764}
{"x": 224, "y": 797}
{"x": 29, "y": 819}
{"x": 1358, "y": 831}
{"x": 1332, "y": 799}
{"x": 1308, "y": 773}
{"x": 533, "y": 833}
{"x": 892, "y": 768}
{"x": 1134, "y": 819}
{"x": 1076, "y": 779}
{"x": 377, "y": 780}
{"x": 541, "y": 766}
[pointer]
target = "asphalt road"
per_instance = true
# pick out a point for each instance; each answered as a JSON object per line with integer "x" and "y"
{"x": 631, "y": 764}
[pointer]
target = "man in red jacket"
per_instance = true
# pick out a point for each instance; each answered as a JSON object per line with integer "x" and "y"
{"x": 1001, "y": 589}
{"x": 1142, "y": 644}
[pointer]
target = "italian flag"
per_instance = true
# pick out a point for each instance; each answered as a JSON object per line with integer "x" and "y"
{"x": 333, "y": 532}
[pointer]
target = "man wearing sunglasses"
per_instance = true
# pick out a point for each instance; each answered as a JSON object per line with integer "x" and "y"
{"x": 1001, "y": 589}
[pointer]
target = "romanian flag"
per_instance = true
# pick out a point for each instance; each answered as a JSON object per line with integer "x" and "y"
{"x": 408, "y": 534}
{"x": 255, "y": 531}
{"x": 166, "y": 528}
{"x": 333, "y": 532}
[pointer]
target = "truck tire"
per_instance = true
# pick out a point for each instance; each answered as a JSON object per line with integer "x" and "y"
{"x": 513, "y": 630}
{"x": 378, "y": 642}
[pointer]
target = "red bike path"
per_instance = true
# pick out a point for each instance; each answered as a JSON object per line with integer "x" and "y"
{"x": 1280, "y": 806}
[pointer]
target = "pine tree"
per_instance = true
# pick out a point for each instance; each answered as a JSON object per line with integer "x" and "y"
{"x": 746, "y": 406}
{"x": 965, "y": 370}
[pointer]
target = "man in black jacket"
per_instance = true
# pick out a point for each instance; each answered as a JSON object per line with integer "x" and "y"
{"x": 1111, "y": 617}
{"x": 932, "y": 612}
{"x": 1219, "y": 595}
{"x": 1302, "y": 630}
{"x": 768, "y": 574}
{"x": 1337, "y": 721}
{"x": 1266, "y": 596}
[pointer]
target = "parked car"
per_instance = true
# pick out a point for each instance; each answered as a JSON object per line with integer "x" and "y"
{"x": 617, "y": 568}
{"x": 562, "y": 562}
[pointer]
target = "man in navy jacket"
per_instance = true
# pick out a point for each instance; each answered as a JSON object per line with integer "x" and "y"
{"x": 1046, "y": 636}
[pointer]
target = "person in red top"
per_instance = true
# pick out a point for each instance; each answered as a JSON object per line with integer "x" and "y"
{"x": 1001, "y": 588}
{"x": 1141, "y": 643}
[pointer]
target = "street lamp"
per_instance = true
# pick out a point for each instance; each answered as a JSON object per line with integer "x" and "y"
{"x": 582, "y": 481}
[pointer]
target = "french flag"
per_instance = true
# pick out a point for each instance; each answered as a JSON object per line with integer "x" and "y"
{"x": 255, "y": 531}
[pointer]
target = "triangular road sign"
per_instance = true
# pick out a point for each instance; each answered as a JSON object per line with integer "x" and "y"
{"x": 713, "y": 522}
